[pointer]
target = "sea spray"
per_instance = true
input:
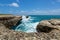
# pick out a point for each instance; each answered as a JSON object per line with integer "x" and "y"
{"x": 27, "y": 25}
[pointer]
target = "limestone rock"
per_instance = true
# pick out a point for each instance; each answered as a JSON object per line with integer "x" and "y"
{"x": 47, "y": 30}
{"x": 10, "y": 21}
{"x": 48, "y": 25}
{"x": 45, "y": 23}
{"x": 55, "y": 21}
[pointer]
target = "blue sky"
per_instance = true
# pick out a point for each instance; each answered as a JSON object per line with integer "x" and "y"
{"x": 30, "y": 7}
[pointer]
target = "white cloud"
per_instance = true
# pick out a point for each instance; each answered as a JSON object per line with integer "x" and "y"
{"x": 52, "y": 12}
{"x": 37, "y": 12}
{"x": 41, "y": 12}
{"x": 14, "y": 4}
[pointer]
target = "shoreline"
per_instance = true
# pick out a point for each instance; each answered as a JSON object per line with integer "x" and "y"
{"x": 9, "y": 34}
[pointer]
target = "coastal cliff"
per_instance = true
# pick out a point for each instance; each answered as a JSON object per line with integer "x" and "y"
{"x": 46, "y": 29}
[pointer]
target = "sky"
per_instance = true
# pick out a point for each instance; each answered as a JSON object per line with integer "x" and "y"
{"x": 30, "y": 7}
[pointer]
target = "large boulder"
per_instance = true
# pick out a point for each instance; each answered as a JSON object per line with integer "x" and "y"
{"x": 48, "y": 25}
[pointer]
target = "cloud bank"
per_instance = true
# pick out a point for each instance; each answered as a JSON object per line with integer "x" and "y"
{"x": 14, "y": 5}
{"x": 41, "y": 12}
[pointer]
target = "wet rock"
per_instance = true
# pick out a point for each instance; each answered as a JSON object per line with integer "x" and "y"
{"x": 27, "y": 16}
{"x": 46, "y": 31}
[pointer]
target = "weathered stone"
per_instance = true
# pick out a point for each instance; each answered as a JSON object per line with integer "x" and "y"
{"x": 45, "y": 23}
{"x": 55, "y": 21}
{"x": 11, "y": 22}
{"x": 50, "y": 31}
{"x": 48, "y": 25}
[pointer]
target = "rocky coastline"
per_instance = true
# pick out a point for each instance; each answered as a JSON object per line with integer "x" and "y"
{"x": 46, "y": 29}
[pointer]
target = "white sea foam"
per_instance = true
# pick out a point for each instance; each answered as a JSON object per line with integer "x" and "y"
{"x": 27, "y": 25}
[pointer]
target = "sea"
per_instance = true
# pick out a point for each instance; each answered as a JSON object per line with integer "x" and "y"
{"x": 29, "y": 24}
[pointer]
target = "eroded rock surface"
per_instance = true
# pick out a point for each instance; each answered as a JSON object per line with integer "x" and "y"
{"x": 47, "y": 25}
{"x": 10, "y": 20}
{"x": 47, "y": 30}
{"x": 50, "y": 29}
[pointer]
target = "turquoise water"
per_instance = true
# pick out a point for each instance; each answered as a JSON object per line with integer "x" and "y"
{"x": 44, "y": 17}
{"x": 29, "y": 24}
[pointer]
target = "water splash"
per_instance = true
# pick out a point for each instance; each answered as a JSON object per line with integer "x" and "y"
{"x": 27, "y": 25}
